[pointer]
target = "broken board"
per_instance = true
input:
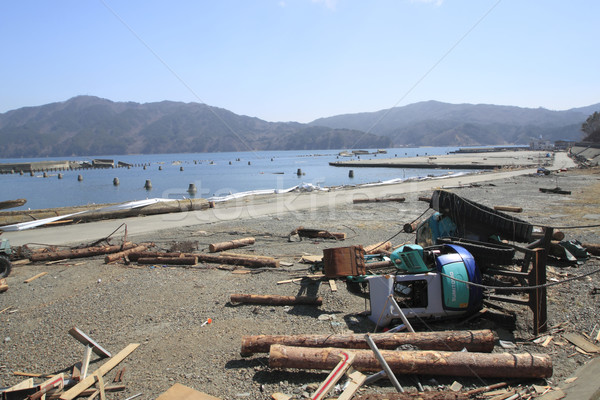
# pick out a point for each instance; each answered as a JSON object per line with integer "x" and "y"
{"x": 181, "y": 392}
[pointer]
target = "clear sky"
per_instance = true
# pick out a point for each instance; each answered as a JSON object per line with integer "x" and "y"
{"x": 298, "y": 60}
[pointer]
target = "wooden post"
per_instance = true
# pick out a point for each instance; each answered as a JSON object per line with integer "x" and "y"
{"x": 481, "y": 341}
{"x": 232, "y": 244}
{"x": 537, "y": 276}
{"x": 275, "y": 299}
{"x": 438, "y": 363}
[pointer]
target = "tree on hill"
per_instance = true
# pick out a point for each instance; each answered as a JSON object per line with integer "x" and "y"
{"x": 591, "y": 127}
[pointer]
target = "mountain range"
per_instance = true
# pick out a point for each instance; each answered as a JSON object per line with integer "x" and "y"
{"x": 88, "y": 125}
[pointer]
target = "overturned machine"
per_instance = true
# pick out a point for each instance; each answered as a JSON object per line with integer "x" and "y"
{"x": 434, "y": 283}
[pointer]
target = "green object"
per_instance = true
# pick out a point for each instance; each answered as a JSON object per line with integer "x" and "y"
{"x": 455, "y": 293}
{"x": 409, "y": 258}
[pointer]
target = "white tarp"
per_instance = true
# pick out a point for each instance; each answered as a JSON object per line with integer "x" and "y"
{"x": 124, "y": 206}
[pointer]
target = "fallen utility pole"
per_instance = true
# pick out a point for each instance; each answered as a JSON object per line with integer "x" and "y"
{"x": 481, "y": 341}
{"x": 440, "y": 363}
{"x": 79, "y": 253}
{"x": 232, "y": 244}
{"x": 275, "y": 299}
{"x": 221, "y": 258}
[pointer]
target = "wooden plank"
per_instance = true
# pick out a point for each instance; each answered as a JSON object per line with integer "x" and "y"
{"x": 280, "y": 396}
{"x": 332, "y": 285}
{"x": 85, "y": 362}
{"x": 355, "y": 381}
{"x": 26, "y": 384}
{"x": 102, "y": 370}
{"x": 100, "y": 382}
{"x": 33, "y": 278}
{"x": 88, "y": 341}
{"x": 581, "y": 342}
{"x": 180, "y": 392}
{"x": 335, "y": 375}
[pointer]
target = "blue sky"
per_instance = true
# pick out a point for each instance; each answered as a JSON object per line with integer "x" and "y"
{"x": 298, "y": 60}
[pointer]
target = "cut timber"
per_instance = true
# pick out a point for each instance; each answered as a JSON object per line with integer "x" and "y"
{"x": 333, "y": 378}
{"x": 379, "y": 199}
{"x": 88, "y": 341}
{"x": 378, "y": 247}
{"x": 582, "y": 342}
{"x": 117, "y": 256}
{"x": 509, "y": 209}
{"x": 79, "y": 253}
{"x": 169, "y": 260}
{"x": 180, "y": 392}
{"x": 103, "y": 370}
{"x": 480, "y": 341}
{"x": 89, "y": 392}
{"x": 232, "y": 244}
{"x": 438, "y": 363}
{"x": 355, "y": 381}
{"x": 33, "y": 278}
{"x": 275, "y": 299}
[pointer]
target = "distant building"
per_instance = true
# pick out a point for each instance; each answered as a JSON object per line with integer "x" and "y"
{"x": 541, "y": 144}
{"x": 563, "y": 144}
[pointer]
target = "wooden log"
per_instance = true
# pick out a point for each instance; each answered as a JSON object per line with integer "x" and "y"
{"x": 379, "y": 200}
{"x": 134, "y": 256}
{"x": 377, "y": 247}
{"x": 509, "y": 209}
{"x": 318, "y": 233}
{"x": 481, "y": 341}
{"x": 414, "y": 396}
{"x": 232, "y": 244}
{"x": 438, "y": 363}
{"x": 378, "y": 264}
{"x": 79, "y": 253}
{"x": 3, "y": 285}
{"x": 275, "y": 300}
{"x": 117, "y": 256}
{"x": 592, "y": 248}
{"x": 246, "y": 261}
{"x": 556, "y": 235}
{"x": 168, "y": 260}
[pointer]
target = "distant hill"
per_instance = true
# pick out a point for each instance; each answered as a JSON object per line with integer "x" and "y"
{"x": 441, "y": 124}
{"x": 87, "y": 125}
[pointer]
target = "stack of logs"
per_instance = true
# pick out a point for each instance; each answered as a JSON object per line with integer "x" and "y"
{"x": 440, "y": 353}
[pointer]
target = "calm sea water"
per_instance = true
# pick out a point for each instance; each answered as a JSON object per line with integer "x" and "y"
{"x": 213, "y": 174}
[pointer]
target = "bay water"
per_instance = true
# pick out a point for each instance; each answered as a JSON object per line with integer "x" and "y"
{"x": 213, "y": 174}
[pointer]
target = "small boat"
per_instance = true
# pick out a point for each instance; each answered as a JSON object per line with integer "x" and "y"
{"x": 12, "y": 203}
{"x": 345, "y": 154}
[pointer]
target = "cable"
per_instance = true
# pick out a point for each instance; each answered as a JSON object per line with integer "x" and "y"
{"x": 521, "y": 288}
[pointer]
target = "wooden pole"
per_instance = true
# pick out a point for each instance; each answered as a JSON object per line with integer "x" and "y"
{"x": 168, "y": 260}
{"x": 275, "y": 299}
{"x": 509, "y": 209}
{"x": 246, "y": 261}
{"x": 377, "y": 247}
{"x": 379, "y": 199}
{"x": 481, "y": 341}
{"x": 438, "y": 363}
{"x": 79, "y": 253}
{"x": 592, "y": 248}
{"x": 232, "y": 244}
{"x": 117, "y": 256}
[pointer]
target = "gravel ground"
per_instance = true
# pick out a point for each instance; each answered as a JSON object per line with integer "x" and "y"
{"x": 163, "y": 308}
